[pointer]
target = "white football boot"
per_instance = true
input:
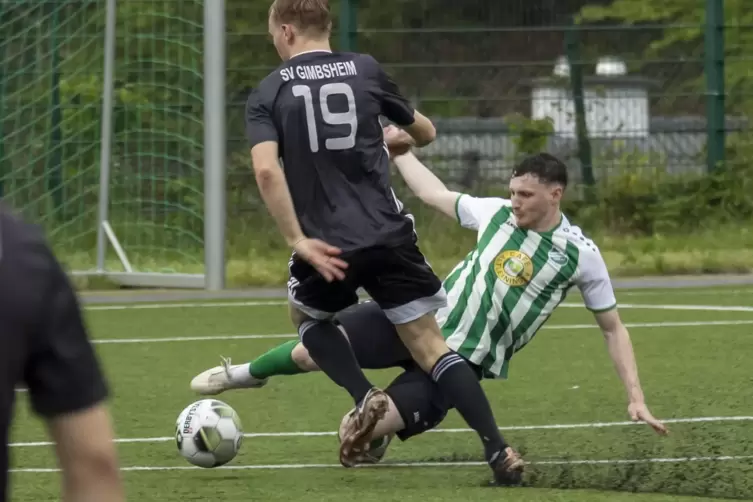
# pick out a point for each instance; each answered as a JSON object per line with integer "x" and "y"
{"x": 220, "y": 378}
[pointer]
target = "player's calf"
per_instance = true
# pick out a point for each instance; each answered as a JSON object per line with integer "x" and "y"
{"x": 302, "y": 359}
{"x": 330, "y": 350}
{"x": 456, "y": 379}
{"x": 390, "y": 424}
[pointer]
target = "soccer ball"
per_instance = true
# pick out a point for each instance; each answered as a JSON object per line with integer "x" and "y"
{"x": 208, "y": 433}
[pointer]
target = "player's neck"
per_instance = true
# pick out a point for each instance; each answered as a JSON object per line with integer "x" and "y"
{"x": 310, "y": 46}
{"x": 549, "y": 223}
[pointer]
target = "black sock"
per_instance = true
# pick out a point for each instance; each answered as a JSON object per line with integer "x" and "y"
{"x": 461, "y": 386}
{"x": 331, "y": 351}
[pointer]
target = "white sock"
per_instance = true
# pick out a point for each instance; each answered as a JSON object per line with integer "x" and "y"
{"x": 240, "y": 373}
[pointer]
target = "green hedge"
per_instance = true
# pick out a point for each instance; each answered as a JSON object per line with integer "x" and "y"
{"x": 644, "y": 220}
{"x": 652, "y": 202}
{"x": 645, "y": 223}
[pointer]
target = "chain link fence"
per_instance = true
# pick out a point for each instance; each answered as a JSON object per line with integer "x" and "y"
{"x": 497, "y": 78}
{"x": 643, "y": 103}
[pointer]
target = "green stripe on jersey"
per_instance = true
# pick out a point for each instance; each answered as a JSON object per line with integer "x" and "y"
{"x": 457, "y": 271}
{"x": 541, "y": 301}
{"x": 505, "y": 290}
{"x": 502, "y": 335}
{"x": 542, "y": 306}
{"x": 473, "y": 341}
{"x": 462, "y": 295}
{"x": 457, "y": 207}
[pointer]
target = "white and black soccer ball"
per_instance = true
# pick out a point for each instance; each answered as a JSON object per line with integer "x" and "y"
{"x": 208, "y": 433}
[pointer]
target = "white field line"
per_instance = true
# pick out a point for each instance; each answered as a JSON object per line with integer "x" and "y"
{"x": 708, "y": 308}
{"x": 686, "y": 292}
{"x": 188, "y": 305}
{"x": 589, "y": 425}
{"x": 668, "y": 324}
{"x": 418, "y": 464}
{"x": 184, "y": 305}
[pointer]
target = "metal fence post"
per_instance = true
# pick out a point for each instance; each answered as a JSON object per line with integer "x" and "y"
{"x": 215, "y": 144}
{"x": 714, "y": 68}
{"x": 572, "y": 47}
{"x": 55, "y": 159}
{"x": 3, "y": 168}
{"x": 348, "y": 25}
{"x": 106, "y": 131}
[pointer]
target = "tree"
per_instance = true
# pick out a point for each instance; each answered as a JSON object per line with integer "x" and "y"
{"x": 679, "y": 27}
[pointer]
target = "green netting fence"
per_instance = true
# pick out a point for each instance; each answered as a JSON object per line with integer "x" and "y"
{"x": 650, "y": 107}
{"x": 50, "y": 85}
{"x": 643, "y": 103}
{"x": 51, "y": 90}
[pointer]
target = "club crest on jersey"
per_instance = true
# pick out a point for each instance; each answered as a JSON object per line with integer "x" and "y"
{"x": 558, "y": 257}
{"x": 513, "y": 267}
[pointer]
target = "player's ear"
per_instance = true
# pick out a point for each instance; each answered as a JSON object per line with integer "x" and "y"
{"x": 288, "y": 32}
{"x": 557, "y": 192}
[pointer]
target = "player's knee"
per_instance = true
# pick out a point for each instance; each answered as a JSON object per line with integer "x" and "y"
{"x": 426, "y": 352}
{"x": 427, "y": 356}
{"x": 302, "y": 359}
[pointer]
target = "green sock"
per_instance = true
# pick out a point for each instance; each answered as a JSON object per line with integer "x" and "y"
{"x": 276, "y": 361}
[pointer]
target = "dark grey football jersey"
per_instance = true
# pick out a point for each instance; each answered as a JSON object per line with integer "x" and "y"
{"x": 323, "y": 109}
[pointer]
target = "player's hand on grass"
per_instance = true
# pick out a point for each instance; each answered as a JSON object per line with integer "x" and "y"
{"x": 398, "y": 141}
{"x": 639, "y": 411}
{"x": 323, "y": 257}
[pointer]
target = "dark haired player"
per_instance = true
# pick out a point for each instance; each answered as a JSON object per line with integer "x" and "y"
{"x": 527, "y": 257}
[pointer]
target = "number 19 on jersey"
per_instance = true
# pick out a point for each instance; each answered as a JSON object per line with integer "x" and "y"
{"x": 349, "y": 117}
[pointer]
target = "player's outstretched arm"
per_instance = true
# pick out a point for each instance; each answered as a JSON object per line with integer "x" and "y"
{"x": 595, "y": 285}
{"x": 621, "y": 352}
{"x": 426, "y": 186}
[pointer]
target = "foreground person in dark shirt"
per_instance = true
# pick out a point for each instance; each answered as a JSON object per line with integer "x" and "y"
{"x": 45, "y": 348}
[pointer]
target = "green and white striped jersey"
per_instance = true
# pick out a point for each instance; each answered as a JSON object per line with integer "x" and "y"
{"x": 510, "y": 283}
